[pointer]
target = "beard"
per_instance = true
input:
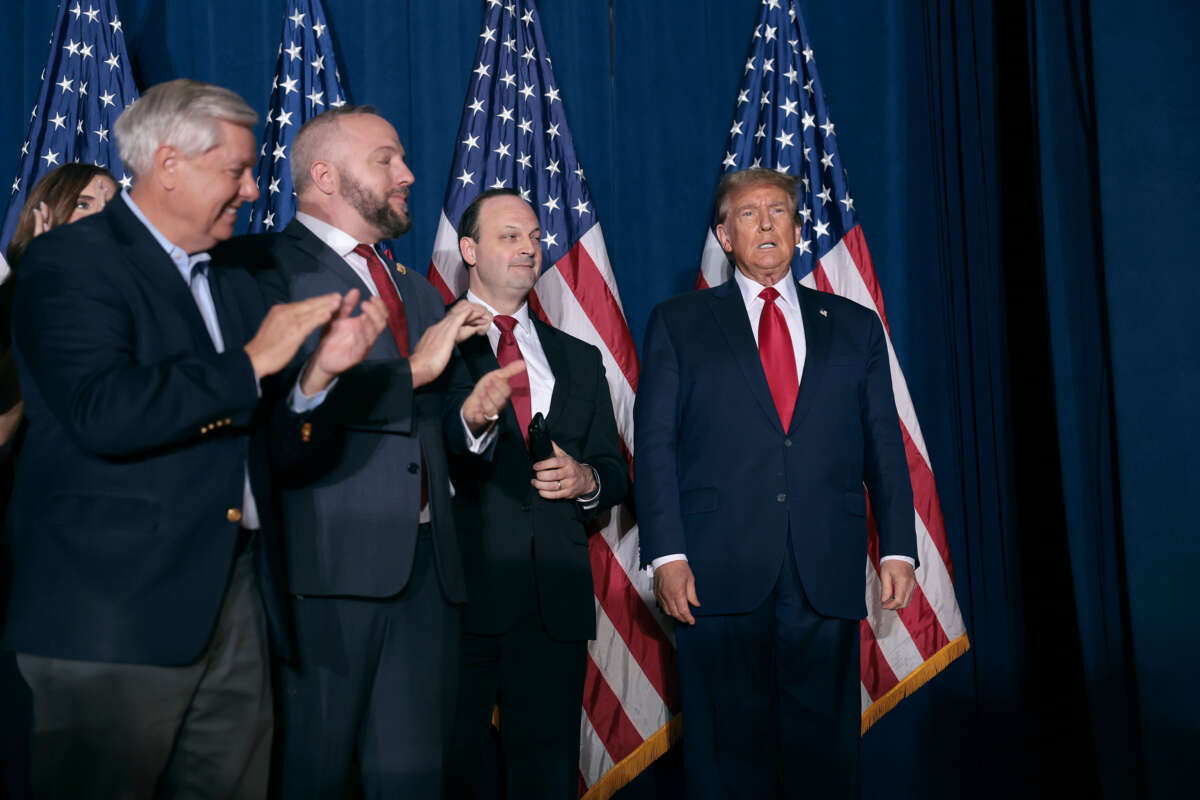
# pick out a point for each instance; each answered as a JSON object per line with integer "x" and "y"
{"x": 374, "y": 209}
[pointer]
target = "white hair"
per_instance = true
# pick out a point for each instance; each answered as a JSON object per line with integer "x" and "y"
{"x": 181, "y": 113}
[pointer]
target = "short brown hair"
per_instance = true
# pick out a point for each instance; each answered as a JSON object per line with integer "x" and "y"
{"x": 312, "y": 140}
{"x": 58, "y": 189}
{"x": 732, "y": 182}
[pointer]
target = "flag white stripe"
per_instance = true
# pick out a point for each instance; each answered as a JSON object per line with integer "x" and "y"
{"x": 625, "y": 677}
{"x": 594, "y": 760}
{"x": 843, "y": 274}
{"x": 936, "y": 584}
{"x": 895, "y": 642}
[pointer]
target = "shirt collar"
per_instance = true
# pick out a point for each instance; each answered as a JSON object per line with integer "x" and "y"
{"x": 521, "y": 315}
{"x": 335, "y": 238}
{"x": 750, "y": 288}
{"x": 185, "y": 263}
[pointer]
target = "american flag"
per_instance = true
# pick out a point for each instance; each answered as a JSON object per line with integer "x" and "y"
{"x": 306, "y": 83}
{"x": 781, "y": 122}
{"x": 86, "y": 85}
{"x": 514, "y": 134}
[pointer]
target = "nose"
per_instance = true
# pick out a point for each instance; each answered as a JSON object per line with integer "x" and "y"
{"x": 403, "y": 175}
{"x": 764, "y": 221}
{"x": 248, "y": 189}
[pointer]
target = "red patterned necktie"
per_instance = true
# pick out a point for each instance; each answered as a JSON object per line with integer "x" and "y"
{"x": 778, "y": 357}
{"x": 506, "y": 353}
{"x": 397, "y": 319}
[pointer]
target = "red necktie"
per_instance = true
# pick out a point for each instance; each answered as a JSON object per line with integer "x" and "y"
{"x": 397, "y": 319}
{"x": 778, "y": 357}
{"x": 397, "y": 324}
{"x": 506, "y": 353}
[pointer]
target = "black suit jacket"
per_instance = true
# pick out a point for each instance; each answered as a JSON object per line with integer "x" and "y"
{"x": 511, "y": 536}
{"x": 350, "y": 512}
{"x": 130, "y": 481}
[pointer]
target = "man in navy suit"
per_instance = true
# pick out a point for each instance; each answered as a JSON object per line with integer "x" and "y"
{"x": 145, "y": 556}
{"x": 763, "y": 408}
{"x": 523, "y": 521}
{"x": 374, "y": 569}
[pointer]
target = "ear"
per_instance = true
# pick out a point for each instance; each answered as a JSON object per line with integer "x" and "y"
{"x": 723, "y": 238}
{"x": 167, "y": 162}
{"x": 466, "y": 247}
{"x": 324, "y": 176}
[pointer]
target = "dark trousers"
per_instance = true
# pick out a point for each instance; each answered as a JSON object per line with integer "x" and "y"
{"x": 372, "y": 691}
{"x": 138, "y": 731}
{"x": 537, "y": 682}
{"x": 770, "y": 699}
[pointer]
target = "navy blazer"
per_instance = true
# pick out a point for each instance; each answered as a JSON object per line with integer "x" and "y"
{"x": 130, "y": 481}
{"x": 718, "y": 478}
{"x": 512, "y": 536}
{"x": 350, "y": 512}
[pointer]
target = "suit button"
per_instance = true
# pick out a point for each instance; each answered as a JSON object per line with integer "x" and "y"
{"x": 781, "y": 497}
{"x": 306, "y": 432}
{"x": 413, "y": 469}
{"x": 234, "y": 515}
{"x": 787, "y": 442}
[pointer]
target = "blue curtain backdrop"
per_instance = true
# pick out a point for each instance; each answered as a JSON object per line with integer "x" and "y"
{"x": 1028, "y": 177}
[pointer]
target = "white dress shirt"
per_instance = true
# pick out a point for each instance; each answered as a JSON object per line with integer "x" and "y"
{"x": 789, "y": 304}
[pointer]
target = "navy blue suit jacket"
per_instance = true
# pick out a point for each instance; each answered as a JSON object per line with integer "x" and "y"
{"x": 350, "y": 513}
{"x": 130, "y": 481}
{"x": 718, "y": 478}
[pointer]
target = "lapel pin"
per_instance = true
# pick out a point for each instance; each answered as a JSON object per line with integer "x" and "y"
{"x": 824, "y": 313}
{"x": 400, "y": 268}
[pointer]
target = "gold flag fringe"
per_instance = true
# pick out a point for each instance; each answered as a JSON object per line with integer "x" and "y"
{"x": 628, "y": 768}
{"x": 915, "y": 680}
{"x": 668, "y": 735}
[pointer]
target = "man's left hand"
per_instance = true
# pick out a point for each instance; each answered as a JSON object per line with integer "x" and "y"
{"x": 345, "y": 341}
{"x": 562, "y": 477}
{"x": 897, "y": 580}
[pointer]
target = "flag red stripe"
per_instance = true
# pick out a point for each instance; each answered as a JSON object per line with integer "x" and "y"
{"x": 918, "y": 618}
{"x": 874, "y": 669}
{"x": 607, "y": 715}
{"x": 856, "y": 244}
{"x": 925, "y": 498}
{"x": 439, "y": 283}
{"x": 634, "y": 622}
{"x": 591, "y": 290}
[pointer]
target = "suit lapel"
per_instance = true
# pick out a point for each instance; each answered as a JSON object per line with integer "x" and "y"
{"x": 559, "y": 365}
{"x": 157, "y": 268}
{"x": 305, "y": 240}
{"x": 229, "y": 315}
{"x": 816, "y": 350}
{"x": 730, "y": 310}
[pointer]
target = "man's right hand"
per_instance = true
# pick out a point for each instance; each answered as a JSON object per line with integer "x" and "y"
{"x": 675, "y": 589}
{"x": 285, "y": 328}
{"x": 432, "y": 353}
{"x": 485, "y": 402}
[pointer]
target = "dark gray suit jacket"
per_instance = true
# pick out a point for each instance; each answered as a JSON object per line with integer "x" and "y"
{"x": 350, "y": 514}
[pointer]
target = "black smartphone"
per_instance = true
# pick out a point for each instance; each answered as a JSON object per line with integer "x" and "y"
{"x": 539, "y": 439}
